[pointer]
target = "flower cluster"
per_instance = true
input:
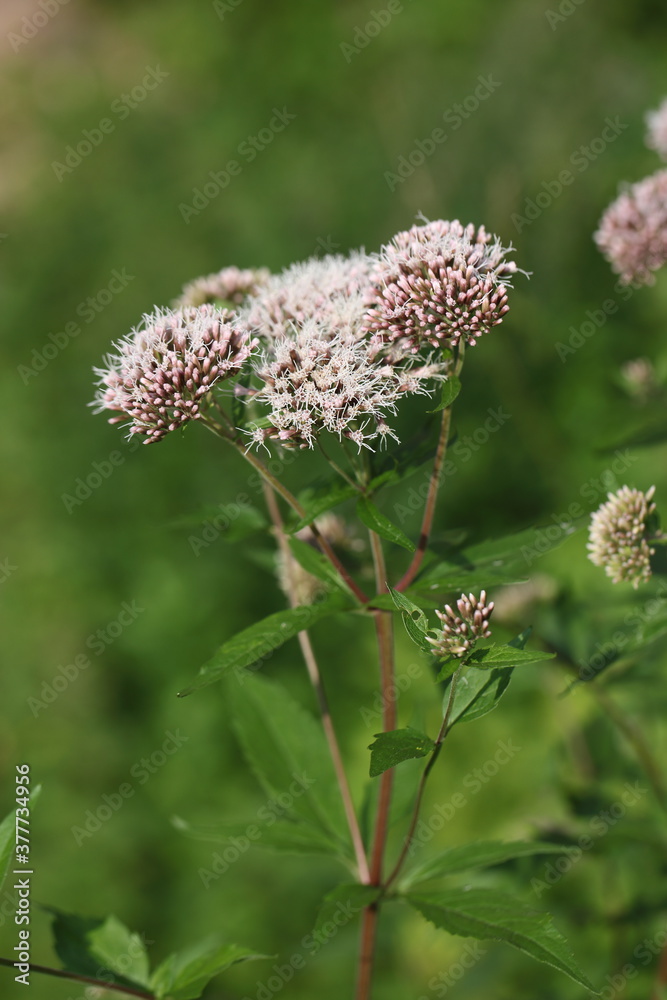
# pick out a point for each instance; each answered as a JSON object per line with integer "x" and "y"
{"x": 314, "y": 382}
{"x": 231, "y": 285}
{"x": 322, "y": 288}
{"x": 461, "y": 631}
{"x": 439, "y": 282}
{"x": 633, "y": 230}
{"x": 163, "y": 370}
{"x": 656, "y": 137}
{"x": 619, "y": 535}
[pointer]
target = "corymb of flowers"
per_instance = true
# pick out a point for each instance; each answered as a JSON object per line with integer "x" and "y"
{"x": 621, "y": 533}
{"x": 331, "y": 345}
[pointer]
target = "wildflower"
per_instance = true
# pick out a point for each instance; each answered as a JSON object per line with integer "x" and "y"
{"x": 633, "y": 230}
{"x": 164, "y": 369}
{"x": 229, "y": 285}
{"x": 619, "y": 535}
{"x": 439, "y": 282}
{"x": 324, "y": 288}
{"x": 656, "y": 136}
{"x": 461, "y": 631}
{"x": 315, "y": 382}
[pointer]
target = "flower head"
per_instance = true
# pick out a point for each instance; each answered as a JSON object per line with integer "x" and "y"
{"x": 460, "y": 632}
{"x": 163, "y": 370}
{"x": 619, "y": 535}
{"x": 656, "y": 136}
{"x": 633, "y": 230}
{"x": 319, "y": 288}
{"x": 229, "y": 285}
{"x": 314, "y": 382}
{"x": 439, "y": 282}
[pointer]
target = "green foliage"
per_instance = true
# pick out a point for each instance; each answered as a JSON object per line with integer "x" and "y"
{"x": 478, "y": 854}
{"x": 318, "y": 501}
{"x": 488, "y": 657}
{"x": 450, "y": 390}
{"x": 316, "y": 564}
{"x": 7, "y": 844}
{"x": 185, "y": 974}
{"x": 489, "y": 915}
{"x": 414, "y": 619}
{"x": 287, "y": 835}
{"x": 376, "y": 521}
{"x": 259, "y": 640}
{"x": 477, "y": 693}
{"x": 287, "y": 750}
{"x": 350, "y": 897}
{"x": 390, "y": 749}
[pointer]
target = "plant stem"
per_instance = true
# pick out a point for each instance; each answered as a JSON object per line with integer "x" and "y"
{"x": 385, "y": 638}
{"x": 444, "y": 729}
{"x": 62, "y": 974}
{"x": 433, "y": 487}
{"x": 318, "y": 686}
{"x": 291, "y": 500}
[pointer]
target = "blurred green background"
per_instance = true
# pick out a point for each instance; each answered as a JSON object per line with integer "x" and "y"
{"x": 319, "y": 185}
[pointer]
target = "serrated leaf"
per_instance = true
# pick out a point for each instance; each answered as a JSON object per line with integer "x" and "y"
{"x": 284, "y": 836}
{"x": 381, "y": 525}
{"x": 488, "y": 915}
{"x": 487, "y": 657}
{"x": 73, "y": 944}
{"x": 450, "y": 390}
{"x": 390, "y": 749}
{"x": 319, "y": 502}
{"x": 346, "y": 901}
{"x": 477, "y": 693}
{"x": 185, "y": 974}
{"x": 259, "y": 640}
{"x": 287, "y": 749}
{"x": 481, "y": 854}
{"x": 119, "y": 950}
{"x": 312, "y": 560}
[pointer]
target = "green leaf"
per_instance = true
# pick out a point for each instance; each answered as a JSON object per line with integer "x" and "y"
{"x": 316, "y": 502}
{"x": 119, "y": 950}
{"x": 477, "y": 693}
{"x": 185, "y": 974}
{"x": 259, "y": 640}
{"x": 286, "y": 836}
{"x": 450, "y": 390}
{"x": 389, "y": 749}
{"x": 346, "y": 901}
{"x": 315, "y": 563}
{"x": 488, "y": 915}
{"x": 414, "y": 619}
{"x": 487, "y": 657}
{"x": 86, "y": 945}
{"x": 481, "y": 854}
{"x": 381, "y": 525}
{"x": 287, "y": 749}
{"x": 7, "y": 844}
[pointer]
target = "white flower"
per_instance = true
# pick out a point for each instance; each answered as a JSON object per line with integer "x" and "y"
{"x": 618, "y": 536}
